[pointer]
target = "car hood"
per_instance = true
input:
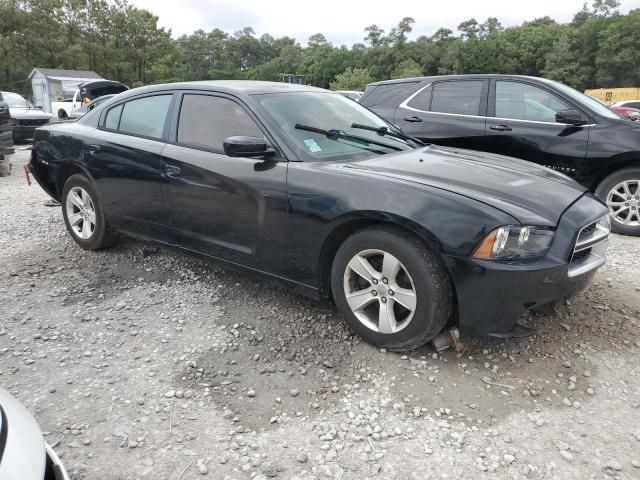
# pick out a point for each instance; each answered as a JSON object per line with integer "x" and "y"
{"x": 22, "y": 448}
{"x": 29, "y": 113}
{"x": 534, "y": 195}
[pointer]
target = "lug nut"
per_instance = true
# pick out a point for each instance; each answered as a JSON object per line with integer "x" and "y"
{"x": 375, "y": 282}
{"x": 384, "y": 280}
{"x": 374, "y": 293}
{"x": 383, "y": 299}
{"x": 391, "y": 293}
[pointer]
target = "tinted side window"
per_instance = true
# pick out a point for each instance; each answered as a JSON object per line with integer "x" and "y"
{"x": 382, "y": 93}
{"x": 422, "y": 100}
{"x": 521, "y": 101}
{"x": 113, "y": 118}
{"x": 460, "y": 97}
{"x": 205, "y": 121}
{"x": 145, "y": 116}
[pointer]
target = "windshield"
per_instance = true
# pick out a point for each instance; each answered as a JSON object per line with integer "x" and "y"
{"x": 588, "y": 101}
{"x": 327, "y": 111}
{"x": 16, "y": 101}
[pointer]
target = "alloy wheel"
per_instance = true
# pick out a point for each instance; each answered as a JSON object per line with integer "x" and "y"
{"x": 81, "y": 213}
{"x": 623, "y": 201}
{"x": 380, "y": 291}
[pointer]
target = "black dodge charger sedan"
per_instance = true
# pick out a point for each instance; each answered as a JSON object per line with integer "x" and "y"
{"x": 314, "y": 190}
{"x": 530, "y": 118}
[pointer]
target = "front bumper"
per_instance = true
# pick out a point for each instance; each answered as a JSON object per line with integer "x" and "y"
{"x": 23, "y": 453}
{"x": 493, "y": 295}
{"x": 54, "y": 469}
{"x": 21, "y": 132}
{"x": 6, "y": 142}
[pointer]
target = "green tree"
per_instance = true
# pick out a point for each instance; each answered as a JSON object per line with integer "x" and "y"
{"x": 351, "y": 79}
{"x": 406, "y": 69}
{"x": 605, "y": 8}
{"x": 618, "y": 57}
{"x": 562, "y": 65}
{"x": 469, "y": 29}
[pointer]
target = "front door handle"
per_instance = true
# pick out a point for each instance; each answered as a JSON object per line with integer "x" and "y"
{"x": 413, "y": 119}
{"x": 501, "y": 128}
{"x": 93, "y": 149}
{"x": 172, "y": 171}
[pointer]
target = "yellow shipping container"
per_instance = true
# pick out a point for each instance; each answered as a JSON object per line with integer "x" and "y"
{"x": 614, "y": 95}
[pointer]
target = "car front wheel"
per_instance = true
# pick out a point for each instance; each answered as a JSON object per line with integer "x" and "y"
{"x": 83, "y": 215}
{"x": 391, "y": 288}
{"x": 621, "y": 192}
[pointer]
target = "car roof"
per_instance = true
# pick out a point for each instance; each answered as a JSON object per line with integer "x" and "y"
{"x": 238, "y": 87}
{"x": 470, "y": 76}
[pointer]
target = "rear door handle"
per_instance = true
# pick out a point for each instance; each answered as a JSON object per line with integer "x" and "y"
{"x": 413, "y": 119}
{"x": 501, "y": 128}
{"x": 172, "y": 171}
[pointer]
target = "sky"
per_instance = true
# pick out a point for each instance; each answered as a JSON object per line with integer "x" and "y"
{"x": 343, "y": 21}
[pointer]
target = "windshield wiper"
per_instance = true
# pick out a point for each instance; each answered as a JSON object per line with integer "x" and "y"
{"x": 335, "y": 134}
{"x": 385, "y": 131}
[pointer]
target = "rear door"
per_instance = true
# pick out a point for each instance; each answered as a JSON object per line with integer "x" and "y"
{"x": 226, "y": 207}
{"x": 448, "y": 112}
{"x": 522, "y": 123}
{"x": 124, "y": 156}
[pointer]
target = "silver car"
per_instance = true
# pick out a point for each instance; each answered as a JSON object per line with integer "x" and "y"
{"x": 24, "y": 455}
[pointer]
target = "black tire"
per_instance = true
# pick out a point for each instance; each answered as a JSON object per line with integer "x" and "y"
{"x": 608, "y": 184}
{"x": 102, "y": 236}
{"x": 433, "y": 288}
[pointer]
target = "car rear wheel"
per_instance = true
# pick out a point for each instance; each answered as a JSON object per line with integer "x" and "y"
{"x": 391, "y": 288}
{"x": 621, "y": 192}
{"x": 83, "y": 215}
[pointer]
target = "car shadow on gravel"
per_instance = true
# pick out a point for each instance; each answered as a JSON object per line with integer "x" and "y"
{"x": 287, "y": 356}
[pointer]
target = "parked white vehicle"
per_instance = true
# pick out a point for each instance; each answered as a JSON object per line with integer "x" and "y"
{"x": 63, "y": 109}
{"x": 86, "y": 93}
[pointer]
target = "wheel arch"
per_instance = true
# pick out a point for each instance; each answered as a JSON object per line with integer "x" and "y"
{"x": 66, "y": 170}
{"x": 617, "y": 164}
{"x": 354, "y": 222}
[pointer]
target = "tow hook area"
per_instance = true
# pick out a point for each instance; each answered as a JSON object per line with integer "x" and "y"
{"x": 447, "y": 339}
{"x": 518, "y": 331}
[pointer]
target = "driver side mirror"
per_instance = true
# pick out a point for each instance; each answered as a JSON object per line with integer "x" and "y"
{"x": 571, "y": 117}
{"x": 242, "y": 146}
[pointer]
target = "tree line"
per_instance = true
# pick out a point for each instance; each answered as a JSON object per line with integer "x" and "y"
{"x": 599, "y": 48}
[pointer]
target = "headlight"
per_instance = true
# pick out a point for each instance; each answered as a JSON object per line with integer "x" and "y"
{"x": 514, "y": 242}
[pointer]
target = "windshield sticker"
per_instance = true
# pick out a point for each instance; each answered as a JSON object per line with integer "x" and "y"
{"x": 312, "y": 145}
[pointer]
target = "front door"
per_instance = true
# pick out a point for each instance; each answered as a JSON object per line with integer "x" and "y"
{"x": 227, "y": 207}
{"x": 450, "y": 113}
{"x": 522, "y": 123}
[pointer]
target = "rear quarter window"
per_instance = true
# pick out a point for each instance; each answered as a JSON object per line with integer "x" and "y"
{"x": 460, "y": 97}
{"x": 381, "y": 93}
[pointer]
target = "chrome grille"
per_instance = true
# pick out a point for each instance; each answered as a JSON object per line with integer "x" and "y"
{"x": 590, "y": 248}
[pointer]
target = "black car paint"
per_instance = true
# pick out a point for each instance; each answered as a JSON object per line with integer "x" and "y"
{"x": 6, "y": 128}
{"x": 286, "y": 218}
{"x": 586, "y": 153}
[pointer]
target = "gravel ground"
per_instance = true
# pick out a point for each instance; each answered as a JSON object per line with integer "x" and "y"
{"x": 155, "y": 364}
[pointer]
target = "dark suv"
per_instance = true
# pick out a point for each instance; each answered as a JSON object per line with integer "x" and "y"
{"x": 526, "y": 117}
{"x": 6, "y": 129}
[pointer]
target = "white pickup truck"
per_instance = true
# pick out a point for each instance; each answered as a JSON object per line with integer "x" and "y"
{"x": 86, "y": 92}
